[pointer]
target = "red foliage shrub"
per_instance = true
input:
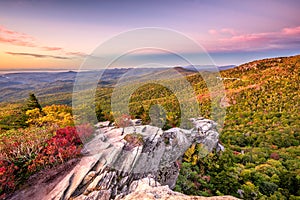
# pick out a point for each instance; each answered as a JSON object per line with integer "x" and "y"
{"x": 275, "y": 156}
{"x": 17, "y": 149}
{"x": 84, "y": 131}
{"x": 66, "y": 144}
{"x": 21, "y": 145}
{"x": 28, "y": 150}
{"x": 7, "y": 177}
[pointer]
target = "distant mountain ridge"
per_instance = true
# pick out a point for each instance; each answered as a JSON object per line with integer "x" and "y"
{"x": 16, "y": 86}
{"x": 208, "y": 67}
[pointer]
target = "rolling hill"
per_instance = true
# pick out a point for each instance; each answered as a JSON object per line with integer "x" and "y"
{"x": 261, "y": 131}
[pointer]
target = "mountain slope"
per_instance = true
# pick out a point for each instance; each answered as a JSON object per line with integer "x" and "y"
{"x": 261, "y": 133}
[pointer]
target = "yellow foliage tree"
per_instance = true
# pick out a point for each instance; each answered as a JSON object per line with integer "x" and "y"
{"x": 195, "y": 153}
{"x": 59, "y": 115}
{"x": 189, "y": 155}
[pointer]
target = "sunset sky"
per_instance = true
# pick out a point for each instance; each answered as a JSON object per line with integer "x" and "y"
{"x": 58, "y": 34}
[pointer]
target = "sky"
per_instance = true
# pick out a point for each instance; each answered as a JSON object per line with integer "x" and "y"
{"x": 57, "y": 34}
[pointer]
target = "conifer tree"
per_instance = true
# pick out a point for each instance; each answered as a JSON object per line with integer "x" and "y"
{"x": 33, "y": 103}
{"x": 99, "y": 113}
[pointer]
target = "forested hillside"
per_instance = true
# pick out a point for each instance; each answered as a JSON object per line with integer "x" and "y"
{"x": 261, "y": 133}
{"x": 261, "y": 136}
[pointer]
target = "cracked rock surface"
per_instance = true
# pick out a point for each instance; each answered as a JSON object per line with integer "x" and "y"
{"x": 118, "y": 163}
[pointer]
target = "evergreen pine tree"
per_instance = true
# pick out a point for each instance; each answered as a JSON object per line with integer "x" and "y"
{"x": 99, "y": 114}
{"x": 33, "y": 103}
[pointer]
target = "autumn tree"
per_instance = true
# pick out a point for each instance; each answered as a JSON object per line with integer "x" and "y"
{"x": 60, "y": 115}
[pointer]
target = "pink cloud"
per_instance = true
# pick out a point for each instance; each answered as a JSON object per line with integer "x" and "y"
{"x": 224, "y": 31}
{"x": 37, "y": 55}
{"x": 80, "y": 54}
{"x": 228, "y": 31}
{"x": 213, "y": 32}
{"x": 22, "y": 39}
{"x": 68, "y": 53}
{"x": 291, "y": 31}
{"x": 282, "y": 39}
{"x": 16, "y": 38}
{"x": 52, "y": 48}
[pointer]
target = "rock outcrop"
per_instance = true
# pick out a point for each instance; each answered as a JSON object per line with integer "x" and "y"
{"x": 148, "y": 189}
{"x": 117, "y": 162}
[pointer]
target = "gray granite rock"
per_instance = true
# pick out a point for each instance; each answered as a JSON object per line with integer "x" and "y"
{"x": 95, "y": 195}
{"x": 102, "y": 124}
{"x": 69, "y": 184}
{"x": 113, "y": 166}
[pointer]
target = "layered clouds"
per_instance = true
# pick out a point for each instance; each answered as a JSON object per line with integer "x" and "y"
{"x": 233, "y": 40}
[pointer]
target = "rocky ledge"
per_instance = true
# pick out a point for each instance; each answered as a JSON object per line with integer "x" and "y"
{"x": 148, "y": 189}
{"x": 136, "y": 162}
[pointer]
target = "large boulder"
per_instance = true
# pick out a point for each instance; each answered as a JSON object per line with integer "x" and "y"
{"x": 117, "y": 158}
{"x": 147, "y": 189}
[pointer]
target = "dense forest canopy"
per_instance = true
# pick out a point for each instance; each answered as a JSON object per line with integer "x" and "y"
{"x": 261, "y": 132}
